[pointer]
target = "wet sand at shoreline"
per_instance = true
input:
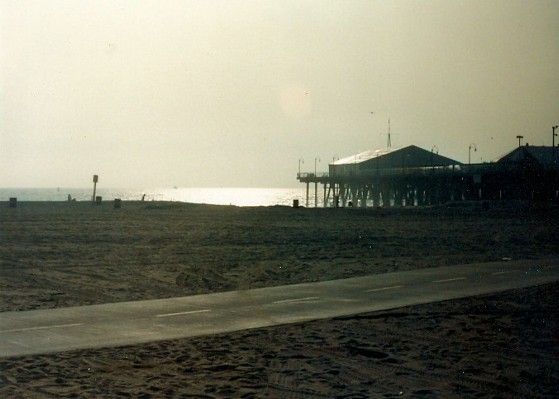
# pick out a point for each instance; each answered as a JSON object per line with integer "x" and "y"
{"x": 68, "y": 254}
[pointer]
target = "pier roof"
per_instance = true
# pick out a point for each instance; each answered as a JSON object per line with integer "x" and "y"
{"x": 364, "y": 156}
{"x": 535, "y": 154}
{"x": 410, "y": 156}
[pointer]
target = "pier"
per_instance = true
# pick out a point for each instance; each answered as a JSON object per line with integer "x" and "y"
{"x": 412, "y": 176}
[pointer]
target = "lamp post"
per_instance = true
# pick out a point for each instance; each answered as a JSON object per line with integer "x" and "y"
{"x": 470, "y": 152}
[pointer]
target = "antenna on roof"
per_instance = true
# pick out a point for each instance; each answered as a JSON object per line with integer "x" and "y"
{"x": 389, "y": 136}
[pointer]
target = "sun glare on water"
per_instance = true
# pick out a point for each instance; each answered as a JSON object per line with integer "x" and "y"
{"x": 233, "y": 196}
{"x": 215, "y": 196}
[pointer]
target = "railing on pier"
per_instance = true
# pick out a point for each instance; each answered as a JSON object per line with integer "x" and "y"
{"x": 359, "y": 174}
{"x": 312, "y": 177}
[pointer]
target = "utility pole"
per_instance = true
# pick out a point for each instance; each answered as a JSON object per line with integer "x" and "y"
{"x": 519, "y": 137}
{"x": 553, "y": 145}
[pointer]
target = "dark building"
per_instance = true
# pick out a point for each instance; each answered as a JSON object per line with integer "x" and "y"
{"x": 536, "y": 156}
{"x": 526, "y": 173}
{"x": 412, "y": 176}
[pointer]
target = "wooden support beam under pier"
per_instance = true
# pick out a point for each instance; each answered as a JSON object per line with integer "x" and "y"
{"x": 433, "y": 186}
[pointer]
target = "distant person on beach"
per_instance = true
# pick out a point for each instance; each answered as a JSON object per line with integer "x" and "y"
{"x": 143, "y": 197}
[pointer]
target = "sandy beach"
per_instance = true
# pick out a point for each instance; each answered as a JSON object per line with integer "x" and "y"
{"x": 68, "y": 254}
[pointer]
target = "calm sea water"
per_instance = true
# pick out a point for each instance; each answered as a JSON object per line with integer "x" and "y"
{"x": 217, "y": 196}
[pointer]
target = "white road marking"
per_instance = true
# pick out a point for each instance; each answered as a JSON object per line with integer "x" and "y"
{"x": 183, "y": 313}
{"x": 505, "y": 272}
{"x": 393, "y": 287}
{"x": 309, "y": 298}
{"x": 449, "y": 279}
{"x": 41, "y": 328}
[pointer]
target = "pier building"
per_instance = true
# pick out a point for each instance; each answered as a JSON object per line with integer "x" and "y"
{"x": 412, "y": 176}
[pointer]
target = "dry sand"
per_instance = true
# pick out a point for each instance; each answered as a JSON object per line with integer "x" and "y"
{"x": 67, "y": 254}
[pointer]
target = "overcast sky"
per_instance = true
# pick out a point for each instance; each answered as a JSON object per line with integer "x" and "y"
{"x": 233, "y": 93}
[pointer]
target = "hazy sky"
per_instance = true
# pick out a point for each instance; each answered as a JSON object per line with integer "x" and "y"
{"x": 233, "y": 93}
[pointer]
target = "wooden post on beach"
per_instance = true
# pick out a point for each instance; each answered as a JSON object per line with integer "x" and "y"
{"x": 95, "y": 180}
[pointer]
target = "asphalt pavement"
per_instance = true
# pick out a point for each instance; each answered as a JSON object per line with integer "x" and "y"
{"x": 126, "y": 323}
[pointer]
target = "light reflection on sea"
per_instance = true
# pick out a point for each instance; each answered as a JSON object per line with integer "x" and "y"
{"x": 217, "y": 196}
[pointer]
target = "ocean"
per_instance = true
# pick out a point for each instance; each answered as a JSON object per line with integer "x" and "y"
{"x": 216, "y": 196}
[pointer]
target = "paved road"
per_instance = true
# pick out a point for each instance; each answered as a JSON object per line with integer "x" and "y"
{"x": 116, "y": 324}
